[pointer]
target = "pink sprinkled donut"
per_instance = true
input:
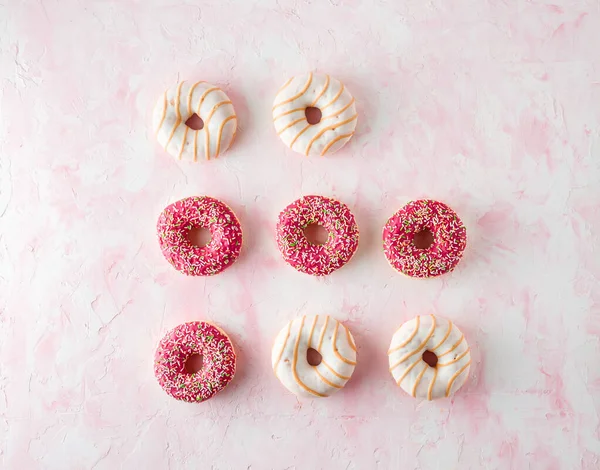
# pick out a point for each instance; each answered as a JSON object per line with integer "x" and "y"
{"x": 310, "y": 258}
{"x": 179, "y": 218}
{"x": 449, "y": 239}
{"x": 178, "y": 345}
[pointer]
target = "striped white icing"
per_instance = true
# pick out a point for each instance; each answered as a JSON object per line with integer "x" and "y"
{"x": 331, "y": 339}
{"x": 446, "y": 341}
{"x": 338, "y": 114}
{"x": 178, "y": 104}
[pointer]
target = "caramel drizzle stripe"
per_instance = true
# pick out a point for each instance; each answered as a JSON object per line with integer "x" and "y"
{"x": 335, "y": 349}
{"x": 403, "y": 376}
{"x": 204, "y": 95}
{"x": 289, "y": 100}
{"x": 445, "y": 336}
{"x": 219, "y": 137}
{"x": 454, "y": 346}
{"x": 178, "y": 120}
{"x": 335, "y": 98}
{"x": 321, "y": 94}
{"x": 164, "y": 113}
{"x": 312, "y": 330}
{"x": 332, "y": 370}
{"x": 298, "y": 135}
{"x": 455, "y": 360}
{"x": 285, "y": 85}
{"x": 455, "y": 376}
{"x": 287, "y": 336}
{"x": 338, "y": 138}
{"x": 191, "y": 95}
{"x": 185, "y": 133}
{"x": 410, "y": 338}
{"x": 419, "y": 377}
{"x": 328, "y": 128}
{"x": 323, "y": 333}
{"x": 291, "y": 111}
{"x": 340, "y": 111}
{"x": 349, "y": 338}
{"x": 331, "y": 384}
{"x": 207, "y": 139}
{"x": 421, "y": 346}
{"x": 293, "y": 123}
{"x": 430, "y": 389}
{"x": 295, "y": 363}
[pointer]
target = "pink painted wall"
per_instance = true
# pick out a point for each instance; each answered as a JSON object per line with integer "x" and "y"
{"x": 490, "y": 106}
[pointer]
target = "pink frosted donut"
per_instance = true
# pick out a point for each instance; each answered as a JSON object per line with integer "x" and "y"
{"x": 178, "y": 345}
{"x": 305, "y": 256}
{"x": 446, "y": 229}
{"x": 179, "y": 218}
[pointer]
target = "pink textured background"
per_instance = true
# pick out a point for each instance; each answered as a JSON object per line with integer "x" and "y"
{"x": 491, "y": 106}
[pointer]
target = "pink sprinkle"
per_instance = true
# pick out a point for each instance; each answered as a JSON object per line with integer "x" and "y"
{"x": 305, "y": 256}
{"x": 179, "y": 218}
{"x": 449, "y": 239}
{"x": 218, "y": 359}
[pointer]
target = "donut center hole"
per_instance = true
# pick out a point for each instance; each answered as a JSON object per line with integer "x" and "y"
{"x": 430, "y": 358}
{"x": 313, "y": 357}
{"x": 195, "y": 122}
{"x": 193, "y": 364}
{"x": 313, "y": 115}
{"x": 199, "y": 236}
{"x": 316, "y": 234}
{"x": 423, "y": 239}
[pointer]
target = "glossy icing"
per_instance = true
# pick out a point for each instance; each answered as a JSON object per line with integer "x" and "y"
{"x": 338, "y": 120}
{"x": 331, "y": 339}
{"x": 446, "y": 341}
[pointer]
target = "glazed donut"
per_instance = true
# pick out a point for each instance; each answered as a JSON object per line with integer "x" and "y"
{"x": 451, "y": 355}
{"x": 178, "y": 345}
{"x": 425, "y": 215}
{"x": 314, "y": 90}
{"x": 175, "y": 223}
{"x": 181, "y": 102}
{"x": 310, "y": 258}
{"x": 331, "y": 339}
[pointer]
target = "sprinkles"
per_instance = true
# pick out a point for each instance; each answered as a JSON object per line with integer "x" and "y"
{"x": 449, "y": 239}
{"x": 179, "y": 218}
{"x": 178, "y": 345}
{"x": 306, "y": 257}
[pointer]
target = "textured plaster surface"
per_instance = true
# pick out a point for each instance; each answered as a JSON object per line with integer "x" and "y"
{"x": 490, "y": 106}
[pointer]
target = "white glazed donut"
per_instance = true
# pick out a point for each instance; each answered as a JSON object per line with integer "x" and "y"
{"x": 331, "y": 339}
{"x": 178, "y": 104}
{"x": 417, "y": 377}
{"x": 336, "y": 104}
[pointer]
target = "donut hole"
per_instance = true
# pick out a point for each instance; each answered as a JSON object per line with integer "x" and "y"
{"x": 193, "y": 364}
{"x": 430, "y": 358}
{"x": 423, "y": 239}
{"x": 199, "y": 236}
{"x": 195, "y": 122}
{"x": 316, "y": 234}
{"x": 313, "y": 357}
{"x": 313, "y": 115}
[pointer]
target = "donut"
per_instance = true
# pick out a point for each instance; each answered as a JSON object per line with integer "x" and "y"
{"x": 446, "y": 351}
{"x": 181, "y": 102}
{"x": 338, "y": 114}
{"x": 417, "y": 217}
{"x": 175, "y": 223}
{"x": 178, "y": 345}
{"x": 310, "y": 258}
{"x": 327, "y": 336}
